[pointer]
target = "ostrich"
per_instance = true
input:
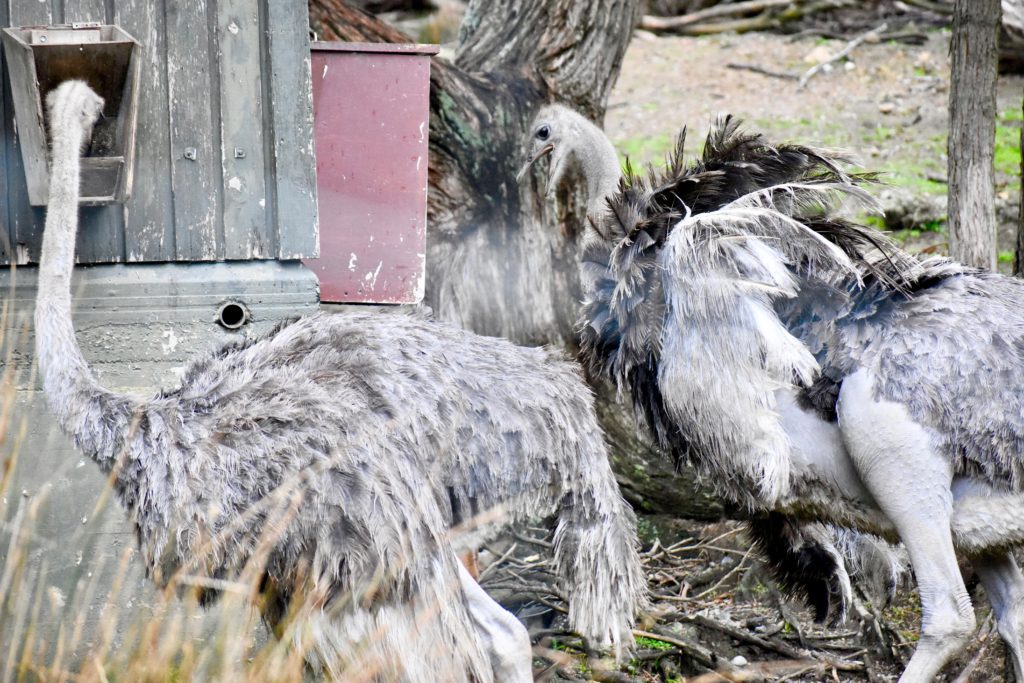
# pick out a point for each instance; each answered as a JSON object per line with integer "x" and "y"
{"x": 765, "y": 341}
{"x": 334, "y": 455}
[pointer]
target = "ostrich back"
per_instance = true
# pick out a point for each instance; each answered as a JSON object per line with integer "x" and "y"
{"x": 324, "y": 439}
{"x": 951, "y": 349}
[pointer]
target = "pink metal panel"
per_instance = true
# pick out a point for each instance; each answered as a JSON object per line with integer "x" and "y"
{"x": 371, "y": 118}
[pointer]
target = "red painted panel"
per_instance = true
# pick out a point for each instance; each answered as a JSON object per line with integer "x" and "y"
{"x": 371, "y": 118}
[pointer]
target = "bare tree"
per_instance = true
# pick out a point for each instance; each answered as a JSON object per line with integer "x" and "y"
{"x": 972, "y": 113}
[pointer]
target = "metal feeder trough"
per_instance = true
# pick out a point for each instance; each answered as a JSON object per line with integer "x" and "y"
{"x": 39, "y": 58}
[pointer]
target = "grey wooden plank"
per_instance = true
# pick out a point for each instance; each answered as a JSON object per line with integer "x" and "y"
{"x": 85, "y": 10}
{"x": 5, "y": 219}
{"x": 26, "y": 222}
{"x": 31, "y": 13}
{"x": 195, "y": 167}
{"x": 247, "y": 232}
{"x": 148, "y": 214}
{"x": 289, "y": 118}
{"x": 101, "y": 238}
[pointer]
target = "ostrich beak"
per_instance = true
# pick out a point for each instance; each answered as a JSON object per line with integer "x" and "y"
{"x": 546, "y": 149}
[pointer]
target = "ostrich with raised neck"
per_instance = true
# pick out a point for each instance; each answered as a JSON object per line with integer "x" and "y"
{"x": 766, "y": 342}
{"x": 565, "y": 136}
{"x": 347, "y": 446}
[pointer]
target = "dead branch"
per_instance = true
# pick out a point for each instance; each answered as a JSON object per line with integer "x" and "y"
{"x": 724, "y": 18}
{"x": 771, "y": 644}
{"x": 697, "y": 653}
{"x": 842, "y": 54}
{"x": 763, "y": 71}
{"x": 931, "y": 6}
{"x": 652, "y": 23}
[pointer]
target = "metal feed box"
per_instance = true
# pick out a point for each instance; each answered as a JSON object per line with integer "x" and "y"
{"x": 371, "y": 113}
{"x": 39, "y": 58}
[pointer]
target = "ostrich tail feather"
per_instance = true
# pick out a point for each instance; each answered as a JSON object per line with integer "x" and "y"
{"x": 598, "y": 566}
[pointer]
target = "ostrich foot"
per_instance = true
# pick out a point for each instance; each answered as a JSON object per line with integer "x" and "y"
{"x": 1004, "y": 585}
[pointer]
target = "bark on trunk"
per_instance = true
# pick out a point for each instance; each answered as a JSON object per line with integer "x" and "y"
{"x": 1018, "y": 257}
{"x": 972, "y": 112}
{"x": 502, "y": 259}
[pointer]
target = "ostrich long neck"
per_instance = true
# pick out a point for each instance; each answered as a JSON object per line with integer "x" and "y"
{"x": 600, "y": 166}
{"x": 95, "y": 417}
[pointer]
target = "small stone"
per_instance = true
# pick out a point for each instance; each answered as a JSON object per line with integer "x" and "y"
{"x": 886, "y": 107}
{"x": 739, "y": 660}
{"x": 818, "y": 55}
{"x": 850, "y": 66}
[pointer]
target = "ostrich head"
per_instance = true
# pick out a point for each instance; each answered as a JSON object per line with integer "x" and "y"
{"x": 76, "y": 107}
{"x": 555, "y": 131}
{"x": 565, "y": 135}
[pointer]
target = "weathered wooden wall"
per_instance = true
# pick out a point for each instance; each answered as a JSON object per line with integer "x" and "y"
{"x": 228, "y": 79}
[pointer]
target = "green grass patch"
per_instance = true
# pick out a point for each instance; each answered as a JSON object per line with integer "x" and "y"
{"x": 647, "y": 149}
{"x": 653, "y": 644}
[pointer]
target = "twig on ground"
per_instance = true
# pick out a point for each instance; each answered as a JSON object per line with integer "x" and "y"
{"x": 497, "y": 563}
{"x": 983, "y": 634}
{"x": 772, "y": 644}
{"x": 763, "y": 71}
{"x": 850, "y": 47}
{"x": 816, "y": 667}
{"x": 742, "y": 563}
{"x": 695, "y": 652}
{"x": 931, "y": 6}
{"x": 535, "y": 541}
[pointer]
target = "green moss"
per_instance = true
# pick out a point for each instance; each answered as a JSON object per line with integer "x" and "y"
{"x": 653, "y": 644}
{"x": 1006, "y": 256}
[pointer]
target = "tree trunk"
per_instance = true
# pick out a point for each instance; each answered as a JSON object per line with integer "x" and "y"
{"x": 972, "y": 114}
{"x": 1018, "y": 256}
{"x": 501, "y": 259}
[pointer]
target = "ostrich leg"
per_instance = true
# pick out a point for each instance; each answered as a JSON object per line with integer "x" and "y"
{"x": 911, "y": 483}
{"x": 504, "y": 638}
{"x": 1004, "y": 585}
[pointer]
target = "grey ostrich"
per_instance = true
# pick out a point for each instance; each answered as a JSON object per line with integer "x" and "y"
{"x": 335, "y": 455}
{"x": 805, "y": 365}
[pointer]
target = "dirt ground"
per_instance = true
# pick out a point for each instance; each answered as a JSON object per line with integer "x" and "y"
{"x": 887, "y": 106}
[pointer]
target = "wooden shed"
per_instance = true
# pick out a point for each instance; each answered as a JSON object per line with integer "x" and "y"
{"x": 224, "y": 161}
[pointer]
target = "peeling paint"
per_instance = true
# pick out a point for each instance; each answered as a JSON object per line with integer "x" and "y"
{"x": 372, "y": 277}
{"x": 172, "y": 341}
{"x": 352, "y": 262}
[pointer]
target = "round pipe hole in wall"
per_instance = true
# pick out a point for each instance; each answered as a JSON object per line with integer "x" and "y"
{"x": 232, "y": 315}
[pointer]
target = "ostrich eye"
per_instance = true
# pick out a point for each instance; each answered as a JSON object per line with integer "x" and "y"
{"x": 543, "y": 133}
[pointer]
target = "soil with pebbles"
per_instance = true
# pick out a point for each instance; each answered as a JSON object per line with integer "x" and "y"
{"x": 886, "y": 106}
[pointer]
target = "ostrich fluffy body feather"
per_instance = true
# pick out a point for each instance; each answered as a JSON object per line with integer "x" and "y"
{"x": 336, "y": 453}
